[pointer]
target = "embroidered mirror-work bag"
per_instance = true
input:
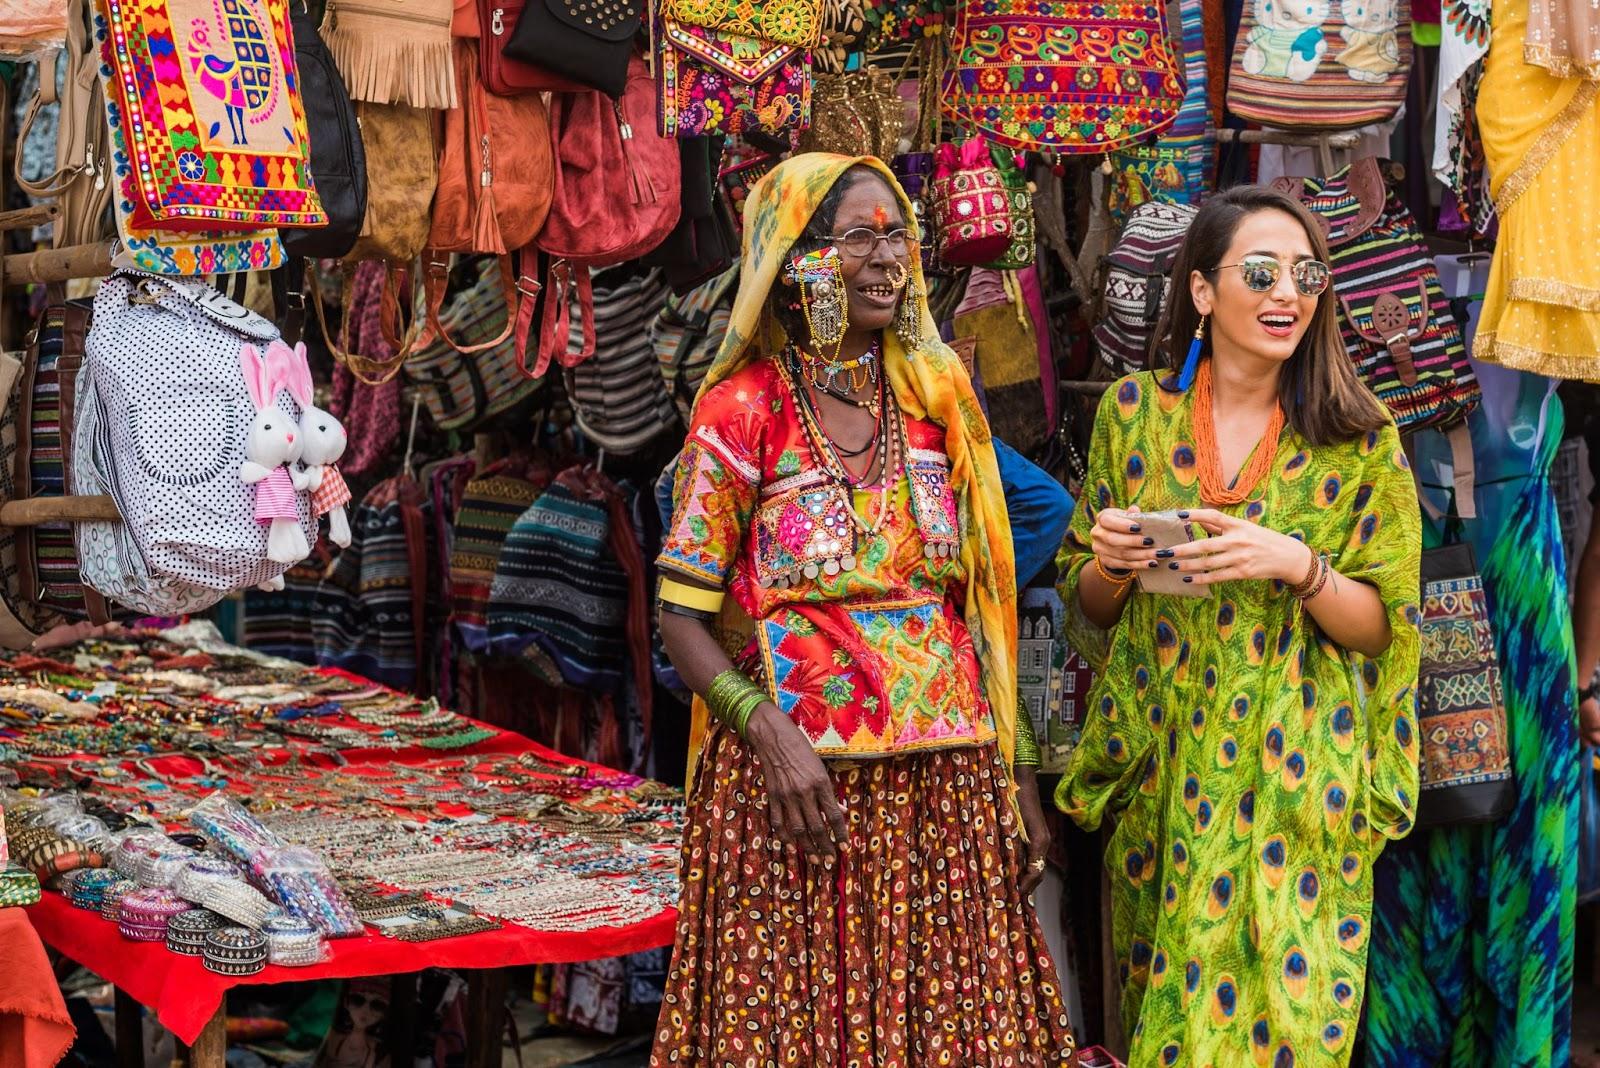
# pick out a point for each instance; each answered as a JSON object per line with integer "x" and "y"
{"x": 1466, "y": 753}
{"x": 1063, "y": 76}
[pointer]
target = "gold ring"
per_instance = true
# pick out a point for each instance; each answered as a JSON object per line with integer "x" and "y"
{"x": 1037, "y": 865}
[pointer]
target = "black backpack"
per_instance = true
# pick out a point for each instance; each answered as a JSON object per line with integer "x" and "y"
{"x": 338, "y": 163}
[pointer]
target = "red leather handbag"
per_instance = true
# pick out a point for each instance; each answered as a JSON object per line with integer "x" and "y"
{"x": 501, "y": 74}
{"x": 617, "y": 196}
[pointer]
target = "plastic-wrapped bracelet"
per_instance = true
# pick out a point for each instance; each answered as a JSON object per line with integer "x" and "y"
{"x": 240, "y": 903}
{"x": 293, "y": 942}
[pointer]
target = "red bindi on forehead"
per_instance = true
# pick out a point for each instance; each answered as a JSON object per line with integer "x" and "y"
{"x": 880, "y": 216}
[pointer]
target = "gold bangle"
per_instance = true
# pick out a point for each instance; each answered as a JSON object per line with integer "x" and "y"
{"x": 695, "y": 597}
{"x": 1026, "y": 746}
{"x": 1121, "y": 583}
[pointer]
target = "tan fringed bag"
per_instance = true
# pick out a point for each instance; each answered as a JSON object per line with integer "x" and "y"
{"x": 393, "y": 51}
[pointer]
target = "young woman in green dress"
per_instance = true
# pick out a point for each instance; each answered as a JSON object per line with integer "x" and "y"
{"x": 1256, "y": 741}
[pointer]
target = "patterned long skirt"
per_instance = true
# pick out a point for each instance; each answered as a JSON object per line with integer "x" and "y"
{"x": 915, "y": 948}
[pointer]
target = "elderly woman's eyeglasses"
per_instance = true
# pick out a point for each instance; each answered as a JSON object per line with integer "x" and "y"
{"x": 860, "y": 241}
{"x": 1260, "y": 274}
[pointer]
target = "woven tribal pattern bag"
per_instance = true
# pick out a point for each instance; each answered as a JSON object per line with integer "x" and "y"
{"x": 1180, "y": 165}
{"x": 1318, "y": 65}
{"x": 1138, "y": 279}
{"x": 1062, "y": 76}
{"x": 618, "y": 396}
{"x": 1396, "y": 322}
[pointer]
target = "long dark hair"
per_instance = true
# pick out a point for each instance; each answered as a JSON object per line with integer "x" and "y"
{"x": 1323, "y": 400}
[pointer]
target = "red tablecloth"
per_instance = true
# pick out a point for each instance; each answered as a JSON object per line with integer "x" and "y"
{"x": 35, "y": 1030}
{"x": 184, "y": 995}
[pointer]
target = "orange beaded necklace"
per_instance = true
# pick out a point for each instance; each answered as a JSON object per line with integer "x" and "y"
{"x": 1213, "y": 490}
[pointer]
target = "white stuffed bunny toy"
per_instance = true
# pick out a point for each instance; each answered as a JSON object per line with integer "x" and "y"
{"x": 322, "y": 440}
{"x": 273, "y": 445}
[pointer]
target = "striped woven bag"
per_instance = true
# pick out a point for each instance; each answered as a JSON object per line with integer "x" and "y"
{"x": 1317, "y": 65}
{"x": 1393, "y": 315}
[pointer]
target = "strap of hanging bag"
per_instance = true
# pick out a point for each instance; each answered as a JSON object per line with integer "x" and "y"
{"x": 528, "y": 291}
{"x": 435, "y": 281}
{"x": 555, "y": 335}
{"x": 365, "y": 369}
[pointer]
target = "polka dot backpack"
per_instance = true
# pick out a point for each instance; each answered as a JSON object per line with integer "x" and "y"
{"x": 164, "y": 414}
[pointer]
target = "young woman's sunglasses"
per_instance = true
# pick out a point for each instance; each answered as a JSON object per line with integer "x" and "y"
{"x": 1260, "y": 273}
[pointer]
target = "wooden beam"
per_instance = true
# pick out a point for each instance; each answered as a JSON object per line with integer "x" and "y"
{"x": 486, "y": 1017}
{"x": 130, "y": 1030}
{"x": 58, "y": 264}
{"x": 29, "y": 217}
{"x": 36, "y": 510}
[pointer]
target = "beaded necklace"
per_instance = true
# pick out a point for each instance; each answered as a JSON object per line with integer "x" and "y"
{"x": 1213, "y": 490}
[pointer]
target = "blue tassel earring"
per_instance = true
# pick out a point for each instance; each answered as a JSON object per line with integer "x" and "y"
{"x": 1191, "y": 362}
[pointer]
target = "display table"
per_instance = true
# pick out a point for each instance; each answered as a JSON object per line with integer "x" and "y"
{"x": 328, "y": 755}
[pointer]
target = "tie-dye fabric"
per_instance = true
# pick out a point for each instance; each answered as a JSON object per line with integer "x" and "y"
{"x": 1473, "y": 928}
{"x": 1255, "y": 785}
{"x": 929, "y": 383}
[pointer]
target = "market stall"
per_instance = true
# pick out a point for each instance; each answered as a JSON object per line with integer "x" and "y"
{"x": 452, "y": 844}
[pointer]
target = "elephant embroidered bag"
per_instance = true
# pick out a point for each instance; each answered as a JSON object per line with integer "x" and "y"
{"x": 1062, "y": 76}
{"x": 1317, "y": 65}
{"x": 211, "y": 101}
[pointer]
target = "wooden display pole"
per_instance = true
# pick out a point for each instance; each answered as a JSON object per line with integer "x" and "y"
{"x": 58, "y": 264}
{"x": 1324, "y": 143}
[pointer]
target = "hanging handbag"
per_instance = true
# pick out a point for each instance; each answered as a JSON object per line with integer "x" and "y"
{"x": 81, "y": 184}
{"x": 464, "y": 389}
{"x": 1062, "y": 76}
{"x": 502, "y": 73}
{"x": 859, "y": 113}
{"x": 688, "y": 333}
{"x": 618, "y": 397}
{"x": 214, "y": 105}
{"x": 705, "y": 240}
{"x": 585, "y": 41}
{"x": 496, "y": 180}
{"x": 168, "y": 252}
{"x": 1138, "y": 279}
{"x": 727, "y": 68}
{"x": 1321, "y": 66}
{"x": 399, "y": 144}
{"x": 1397, "y": 325}
{"x": 1178, "y": 166}
{"x": 1466, "y": 755}
{"x": 338, "y": 163}
{"x": 22, "y": 619}
{"x": 970, "y": 204}
{"x": 393, "y": 51}
{"x": 844, "y": 33}
{"x": 1023, "y": 249}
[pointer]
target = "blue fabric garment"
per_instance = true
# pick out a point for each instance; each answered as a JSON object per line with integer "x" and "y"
{"x": 1040, "y": 507}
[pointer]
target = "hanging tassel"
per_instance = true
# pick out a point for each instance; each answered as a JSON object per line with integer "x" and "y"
{"x": 1191, "y": 361}
{"x": 486, "y": 223}
{"x": 640, "y": 184}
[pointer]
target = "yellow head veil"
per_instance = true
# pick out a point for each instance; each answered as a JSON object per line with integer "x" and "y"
{"x": 929, "y": 384}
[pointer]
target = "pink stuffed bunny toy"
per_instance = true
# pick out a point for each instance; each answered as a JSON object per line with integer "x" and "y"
{"x": 273, "y": 445}
{"x": 322, "y": 439}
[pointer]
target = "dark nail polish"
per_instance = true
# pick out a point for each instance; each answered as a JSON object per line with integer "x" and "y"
{"x": 1152, "y": 563}
{"x": 1134, "y": 528}
{"x": 1173, "y": 565}
{"x": 1183, "y": 515}
{"x": 1149, "y": 541}
{"x": 1162, "y": 554}
{"x": 1188, "y": 578}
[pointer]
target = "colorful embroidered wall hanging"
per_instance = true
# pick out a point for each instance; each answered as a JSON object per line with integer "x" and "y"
{"x": 1063, "y": 75}
{"x": 1179, "y": 166}
{"x": 712, "y": 81}
{"x": 790, "y": 22}
{"x": 212, "y": 113}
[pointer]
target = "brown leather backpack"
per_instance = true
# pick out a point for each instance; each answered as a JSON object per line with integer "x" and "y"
{"x": 496, "y": 180}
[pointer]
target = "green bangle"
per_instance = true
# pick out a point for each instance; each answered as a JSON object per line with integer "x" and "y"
{"x": 1026, "y": 746}
{"x": 732, "y": 698}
